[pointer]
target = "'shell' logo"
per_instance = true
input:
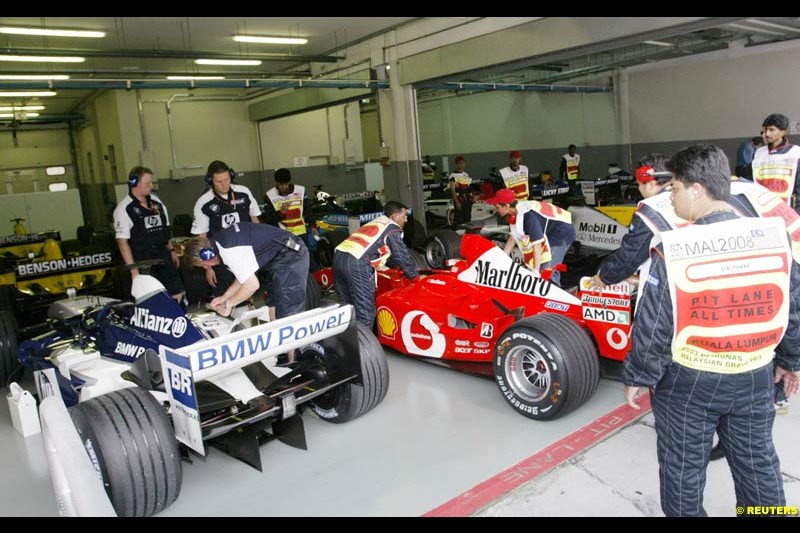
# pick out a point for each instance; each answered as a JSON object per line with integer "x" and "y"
{"x": 387, "y": 324}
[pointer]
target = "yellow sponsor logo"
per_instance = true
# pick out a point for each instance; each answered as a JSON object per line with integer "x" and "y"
{"x": 387, "y": 324}
{"x": 767, "y": 510}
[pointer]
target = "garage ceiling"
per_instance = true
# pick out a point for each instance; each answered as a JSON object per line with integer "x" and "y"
{"x": 151, "y": 48}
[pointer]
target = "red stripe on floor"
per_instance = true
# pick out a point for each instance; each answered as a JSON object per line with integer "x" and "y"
{"x": 542, "y": 462}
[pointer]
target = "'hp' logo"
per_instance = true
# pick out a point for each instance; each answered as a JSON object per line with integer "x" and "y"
{"x": 152, "y": 221}
{"x": 229, "y": 219}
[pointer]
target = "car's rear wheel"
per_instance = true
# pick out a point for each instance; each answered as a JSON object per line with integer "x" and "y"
{"x": 546, "y": 366}
{"x": 8, "y": 346}
{"x": 326, "y": 245}
{"x": 313, "y": 292}
{"x": 132, "y": 445}
{"x": 442, "y": 245}
{"x": 351, "y": 400}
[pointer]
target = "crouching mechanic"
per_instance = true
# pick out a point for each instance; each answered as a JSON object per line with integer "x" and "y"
{"x": 721, "y": 297}
{"x": 355, "y": 260}
{"x": 245, "y": 248}
{"x": 542, "y": 230}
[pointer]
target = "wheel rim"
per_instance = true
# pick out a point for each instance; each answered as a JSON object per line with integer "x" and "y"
{"x": 528, "y": 373}
{"x": 434, "y": 254}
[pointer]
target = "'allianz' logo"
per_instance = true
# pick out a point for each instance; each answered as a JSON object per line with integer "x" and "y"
{"x": 169, "y": 326}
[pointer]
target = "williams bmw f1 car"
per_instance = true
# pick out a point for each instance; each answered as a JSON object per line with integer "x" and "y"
{"x": 492, "y": 316}
{"x": 147, "y": 382}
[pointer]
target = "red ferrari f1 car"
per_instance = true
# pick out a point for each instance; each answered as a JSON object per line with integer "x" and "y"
{"x": 492, "y": 316}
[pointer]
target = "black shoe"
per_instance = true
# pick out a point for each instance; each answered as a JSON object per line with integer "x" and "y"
{"x": 717, "y": 452}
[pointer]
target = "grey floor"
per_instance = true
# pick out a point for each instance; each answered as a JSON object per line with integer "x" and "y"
{"x": 437, "y": 434}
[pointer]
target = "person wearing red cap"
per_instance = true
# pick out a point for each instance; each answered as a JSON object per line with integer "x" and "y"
{"x": 541, "y": 230}
{"x": 459, "y": 188}
{"x": 653, "y": 215}
{"x": 515, "y": 176}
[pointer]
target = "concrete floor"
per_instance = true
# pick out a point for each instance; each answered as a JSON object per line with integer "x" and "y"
{"x": 437, "y": 434}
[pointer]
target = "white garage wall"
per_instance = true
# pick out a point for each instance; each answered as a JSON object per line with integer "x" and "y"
{"x": 720, "y": 95}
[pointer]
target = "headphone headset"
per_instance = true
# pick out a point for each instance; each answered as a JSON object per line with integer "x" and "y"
{"x": 210, "y": 177}
{"x": 206, "y": 254}
{"x": 133, "y": 180}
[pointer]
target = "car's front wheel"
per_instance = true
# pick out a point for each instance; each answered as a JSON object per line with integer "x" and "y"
{"x": 546, "y": 366}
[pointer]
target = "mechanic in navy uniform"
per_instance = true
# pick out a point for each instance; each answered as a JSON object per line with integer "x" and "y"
{"x": 223, "y": 204}
{"x": 141, "y": 224}
{"x": 707, "y": 369}
{"x": 653, "y": 215}
{"x": 245, "y": 248}
{"x": 356, "y": 259}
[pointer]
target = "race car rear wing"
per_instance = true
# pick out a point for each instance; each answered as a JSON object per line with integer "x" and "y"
{"x": 186, "y": 366}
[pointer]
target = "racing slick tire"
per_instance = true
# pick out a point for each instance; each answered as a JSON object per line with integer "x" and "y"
{"x": 350, "y": 400}
{"x": 442, "y": 245}
{"x": 8, "y": 347}
{"x": 313, "y": 292}
{"x": 419, "y": 261}
{"x": 132, "y": 444}
{"x": 546, "y": 366}
{"x": 7, "y": 301}
{"x": 326, "y": 244}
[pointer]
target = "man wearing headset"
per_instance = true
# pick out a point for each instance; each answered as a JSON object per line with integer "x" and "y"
{"x": 223, "y": 204}
{"x": 142, "y": 231}
{"x": 245, "y": 248}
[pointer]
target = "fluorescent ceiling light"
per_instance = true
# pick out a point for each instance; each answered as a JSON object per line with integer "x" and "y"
{"x": 11, "y": 115}
{"x": 33, "y": 77}
{"x": 773, "y": 25}
{"x": 269, "y": 40}
{"x": 241, "y": 62}
{"x": 21, "y": 108}
{"x": 658, "y": 43}
{"x": 43, "y": 59}
{"x": 195, "y": 77}
{"x": 26, "y": 94}
{"x": 752, "y": 29}
{"x": 52, "y": 33}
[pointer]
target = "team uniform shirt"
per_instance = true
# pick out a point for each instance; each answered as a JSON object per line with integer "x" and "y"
{"x": 571, "y": 164}
{"x": 293, "y": 219}
{"x": 213, "y": 212}
{"x": 541, "y": 222}
{"x": 777, "y": 170}
{"x": 375, "y": 241}
{"x": 145, "y": 226}
{"x": 516, "y": 181}
{"x": 245, "y": 248}
{"x": 462, "y": 181}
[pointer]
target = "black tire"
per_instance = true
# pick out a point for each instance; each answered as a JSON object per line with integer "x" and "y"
{"x": 326, "y": 244}
{"x": 414, "y": 234}
{"x": 443, "y": 244}
{"x": 419, "y": 260}
{"x": 131, "y": 442}
{"x": 7, "y": 298}
{"x": 546, "y": 366}
{"x": 313, "y": 293}
{"x": 8, "y": 347}
{"x": 351, "y": 400}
